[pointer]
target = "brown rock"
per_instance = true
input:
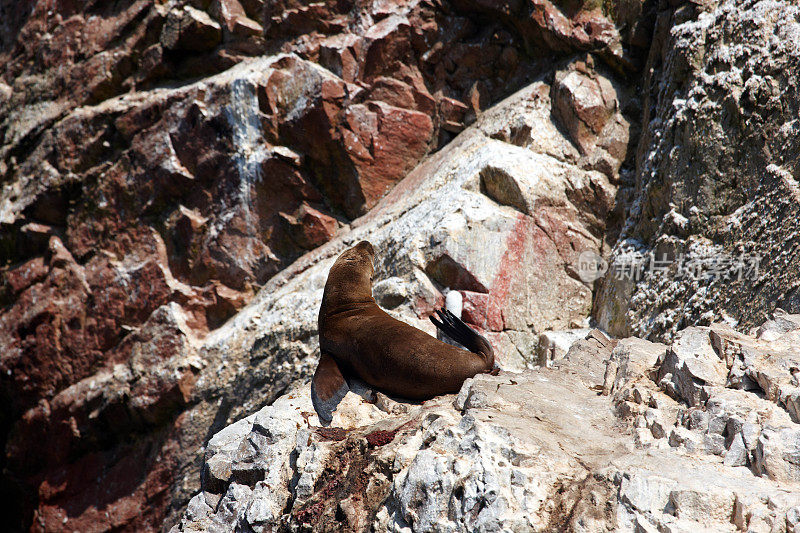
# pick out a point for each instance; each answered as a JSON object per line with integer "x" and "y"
{"x": 582, "y": 106}
{"x": 236, "y": 20}
{"x": 190, "y": 29}
{"x": 151, "y": 185}
{"x": 453, "y": 114}
{"x": 25, "y": 275}
{"x": 310, "y": 228}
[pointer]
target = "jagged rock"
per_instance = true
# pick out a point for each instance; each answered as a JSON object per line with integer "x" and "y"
{"x": 190, "y": 29}
{"x": 588, "y": 106}
{"x": 691, "y": 365}
{"x": 768, "y": 363}
{"x": 742, "y": 424}
{"x": 681, "y": 436}
{"x": 236, "y": 18}
{"x": 630, "y": 360}
{"x": 715, "y": 167}
{"x": 156, "y": 174}
{"x": 776, "y": 454}
{"x": 208, "y": 257}
{"x": 554, "y": 345}
{"x": 183, "y": 153}
{"x": 506, "y": 452}
{"x": 736, "y": 455}
{"x": 779, "y": 325}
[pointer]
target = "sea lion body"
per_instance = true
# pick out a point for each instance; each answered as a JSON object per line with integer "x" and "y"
{"x": 358, "y": 338}
{"x": 393, "y": 356}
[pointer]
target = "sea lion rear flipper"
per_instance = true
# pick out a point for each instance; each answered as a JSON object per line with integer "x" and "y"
{"x": 328, "y": 387}
{"x": 457, "y": 330}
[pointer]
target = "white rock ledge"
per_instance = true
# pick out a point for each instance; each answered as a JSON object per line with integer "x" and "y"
{"x": 591, "y": 444}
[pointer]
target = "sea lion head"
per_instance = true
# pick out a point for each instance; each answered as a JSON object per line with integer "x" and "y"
{"x": 350, "y": 277}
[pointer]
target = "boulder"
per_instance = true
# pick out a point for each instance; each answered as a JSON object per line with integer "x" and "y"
{"x": 690, "y": 366}
{"x": 190, "y": 29}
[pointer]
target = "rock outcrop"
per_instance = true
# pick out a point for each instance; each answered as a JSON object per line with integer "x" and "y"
{"x": 162, "y": 161}
{"x": 602, "y": 441}
{"x": 420, "y": 231}
{"x": 712, "y": 221}
{"x": 178, "y": 176}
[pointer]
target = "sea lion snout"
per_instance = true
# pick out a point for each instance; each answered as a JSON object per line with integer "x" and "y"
{"x": 367, "y": 252}
{"x": 367, "y": 247}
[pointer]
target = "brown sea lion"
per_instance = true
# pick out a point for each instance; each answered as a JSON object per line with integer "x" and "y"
{"x": 359, "y": 339}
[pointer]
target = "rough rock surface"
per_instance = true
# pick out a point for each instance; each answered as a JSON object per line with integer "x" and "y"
{"x": 421, "y": 231}
{"x": 508, "y": 453}
{"x": 716, "y": 174}
{"x": 162, "y": 162}
{"x": 177, "y": 177}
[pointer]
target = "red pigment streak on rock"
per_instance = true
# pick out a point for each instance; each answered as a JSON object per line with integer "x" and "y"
{"x": 310, "y": 513}
{"x": 512, "y": 259}
{"x": 475, "y": 306}
{"x": 381, "y": 437}
{"x": 486, "y": 310}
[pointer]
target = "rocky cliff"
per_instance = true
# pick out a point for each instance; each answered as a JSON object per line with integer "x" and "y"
{"x": 178, "y": 176}
{"x": 716, "y": 172}
{"x": 618, "y": 435}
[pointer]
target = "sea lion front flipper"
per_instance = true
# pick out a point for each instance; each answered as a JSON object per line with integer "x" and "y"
{"x": 459, "y": 331}
{"x": 328, "y": 387}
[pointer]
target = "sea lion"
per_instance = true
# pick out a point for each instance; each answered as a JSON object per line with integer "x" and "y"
{"x": 359, "y": 339}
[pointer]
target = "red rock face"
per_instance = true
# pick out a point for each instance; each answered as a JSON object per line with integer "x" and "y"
{"x": 161, "y": 163}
